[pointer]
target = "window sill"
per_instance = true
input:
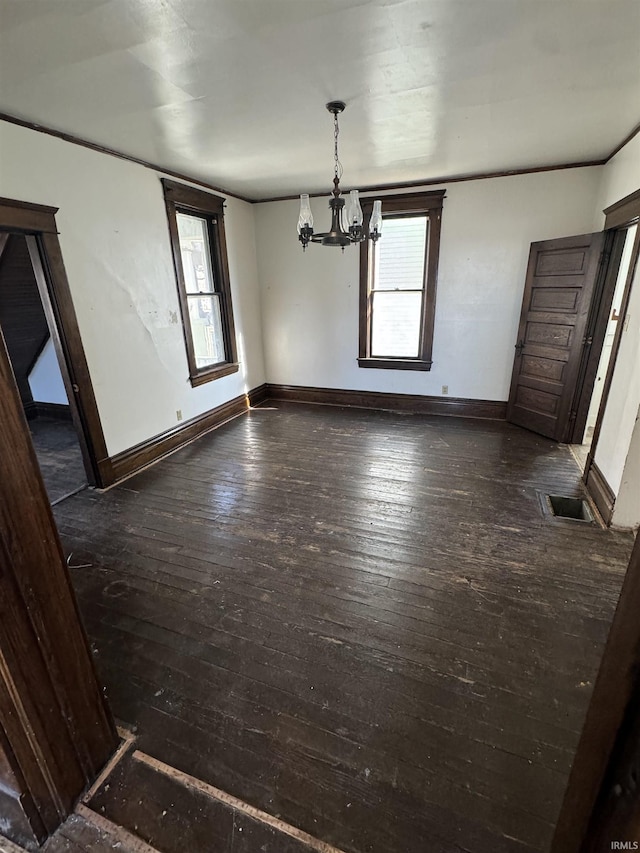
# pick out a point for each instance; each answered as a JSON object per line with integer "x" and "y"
{"x": 211, "y": 373}
{"x": 395, "y": 363}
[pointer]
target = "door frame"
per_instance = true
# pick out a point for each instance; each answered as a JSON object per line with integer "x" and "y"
{"x": 595, "y": 331}
{"x": 56, "y": 729}
{"x": 38, "y": 224}
{"x": 598, "y": 765}
{"x": 618, "y": 218}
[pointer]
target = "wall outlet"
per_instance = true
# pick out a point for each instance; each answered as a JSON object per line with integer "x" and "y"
{"x": 179, "y": 414}
{"x": 445, "y": 389}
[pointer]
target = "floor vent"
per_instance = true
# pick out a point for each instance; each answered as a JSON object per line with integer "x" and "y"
{"x": 572, "y": 509}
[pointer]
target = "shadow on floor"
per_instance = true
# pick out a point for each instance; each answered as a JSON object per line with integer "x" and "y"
{"x": 59, "y": 456}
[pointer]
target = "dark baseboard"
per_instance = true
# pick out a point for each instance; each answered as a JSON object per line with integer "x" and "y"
{"x": 59, "y": 411}
{"x": 135, "y": 458}
{"x": 414, "y": 403}
{"x": 29, "y": 409}
{"x": 600, "y": 491}
{"x": 258, "y": 395}
{"x": 128, "y": 462}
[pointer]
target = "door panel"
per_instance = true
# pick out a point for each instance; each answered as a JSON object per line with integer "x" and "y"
{"x": 557, "y": 297}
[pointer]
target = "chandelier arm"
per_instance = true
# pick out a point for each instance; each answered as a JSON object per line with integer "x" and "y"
{"x": 343, "y": 231}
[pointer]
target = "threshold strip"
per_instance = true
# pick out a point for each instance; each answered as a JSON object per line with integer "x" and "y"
{"x": 127, "y": 739}
{"x": 229, "y": 800}
{"x": 114, "y": 830}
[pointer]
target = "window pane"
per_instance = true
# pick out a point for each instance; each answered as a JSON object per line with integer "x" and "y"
{"x": 399, "y": 255}
{"x": 206, "y": 330}
{"x": 195, "y": 253}
{"x": 395, "y": 326}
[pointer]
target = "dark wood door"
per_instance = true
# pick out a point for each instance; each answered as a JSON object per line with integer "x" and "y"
{"x": 551, "y": 336}
{"x": 56, "y": 731}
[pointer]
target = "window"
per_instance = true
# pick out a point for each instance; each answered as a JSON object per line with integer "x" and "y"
{"x": 196, "y": 226}
{"x": 398, "y": 283}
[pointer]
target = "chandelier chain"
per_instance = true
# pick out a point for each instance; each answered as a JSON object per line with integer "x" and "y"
{"x": 336, "y": 131}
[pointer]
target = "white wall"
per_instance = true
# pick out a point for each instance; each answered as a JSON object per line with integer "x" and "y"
{"x": 619, "y": 178}
{"x": 115, "y": 245}
{"x": 310, "y": 300}
{"x": 626, "y": 512}
{"x": 45, "y": 380}
{"x": 624, "y": 396}
{"x": 617, "y": 449}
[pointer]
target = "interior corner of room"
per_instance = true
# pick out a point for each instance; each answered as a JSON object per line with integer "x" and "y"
{"x": 223, "y": 499}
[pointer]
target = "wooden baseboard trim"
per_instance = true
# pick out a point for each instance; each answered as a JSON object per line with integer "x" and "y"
{"x": 59, "y": 411}
{"x": 600, "y": 491}
{"x": 128, "y": 462}
{"x": 147, "y": 452}
{"x": 258, "y": 395}
{"x": 29, "y": 409}
{"x": 414, "y": 403}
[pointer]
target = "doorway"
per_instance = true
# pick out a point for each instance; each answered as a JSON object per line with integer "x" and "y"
{"x": 38, "y": 374}
{"x": 612, "y": 310}
{"x": 39, "y": 333}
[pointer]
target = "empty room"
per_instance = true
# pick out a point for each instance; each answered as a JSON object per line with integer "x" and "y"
{"x": 319, "y": 426}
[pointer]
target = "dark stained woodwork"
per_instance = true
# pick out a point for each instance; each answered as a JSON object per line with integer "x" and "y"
{"x": 631, "y": 135}
{"x": 413, "y": 403}
{"x": 103, "y": 149}
{"x": 53, "y": 717}
{"x": 39, "y": 225}
{"x": 48, "y": 267}
{"x": 17, "y": 811}
{"x": 552, "y": 345}
{"x": 135, "y": 458}
{"x": 180, "y": 198}
{"x": 602, "y": 796}
{"x": 624, "y": 212}
{"x": 596, "y": 330}
{"x": 429, "y": 203}
{"x": 600, "y": 491}
{"x": 22, "y": 318}
{"x": 624, "y": 306}
{"x": 26, "y": 217}
{"x": 258, "y": 395}
{"x": 616, "y": 815}
{"x": 446, "y": 179}
{"x": 57, "y": 411}
{"x": 143, "y": 454}
{"x": 85, "y": 143}
{"x": 361, "y": 622}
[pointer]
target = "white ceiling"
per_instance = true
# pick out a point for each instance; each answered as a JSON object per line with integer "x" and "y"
{"x": 233, "y": 91}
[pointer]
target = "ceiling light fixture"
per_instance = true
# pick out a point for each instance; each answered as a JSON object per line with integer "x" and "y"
{"x": 338, "y": 235}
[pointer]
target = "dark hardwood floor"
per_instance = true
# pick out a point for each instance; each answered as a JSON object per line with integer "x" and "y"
{"x": 360, "y": 622}
{"x": 59, "y": 456}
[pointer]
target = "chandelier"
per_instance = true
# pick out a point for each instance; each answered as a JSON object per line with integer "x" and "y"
{"x": 338, "y": 235}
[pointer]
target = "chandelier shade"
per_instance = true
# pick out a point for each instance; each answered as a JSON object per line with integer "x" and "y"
{"x": 346, "y": 222}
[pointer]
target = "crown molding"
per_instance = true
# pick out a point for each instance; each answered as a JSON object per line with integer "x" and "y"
{"x": 112, "y": 152}
{"x": 429, "y": 182}
{"x": 450, "y": 179}
{"x": 627, "y": 139}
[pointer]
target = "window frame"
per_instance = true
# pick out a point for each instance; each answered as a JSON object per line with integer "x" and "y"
{"x": 180, "y": 198}
{"x": 398, "y": 207}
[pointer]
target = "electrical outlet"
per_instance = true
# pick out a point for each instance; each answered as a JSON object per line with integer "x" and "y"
{"x": 445, "y": 389}
{"x": 179, "y": 414}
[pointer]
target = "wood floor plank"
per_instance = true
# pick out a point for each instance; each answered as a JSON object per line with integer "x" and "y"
{"x": 362, "y": 622}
